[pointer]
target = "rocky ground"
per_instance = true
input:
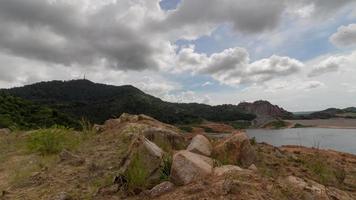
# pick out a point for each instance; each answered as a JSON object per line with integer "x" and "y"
{"x": 137, "y": 157}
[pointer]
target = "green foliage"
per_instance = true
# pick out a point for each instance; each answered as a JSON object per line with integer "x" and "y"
{"x": 86, "y": 127}
{"x": 188, "y": 129}
{"x": 51, "y": 141}
{"x": 276, "y": 124}
{"x": 240, "y": 124}
{"x": 166, "y": 168}
{"x": 99, "y": 102}
{"x": 208, "y": 129}
{"x": 16, "y": 113}
{"x": 253, "y": 141}
{"x": 136, "y": 175}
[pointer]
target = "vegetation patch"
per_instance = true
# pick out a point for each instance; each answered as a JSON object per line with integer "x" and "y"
{"x": 276, "y": 124}
{"x": 136, "y": 175}
{"x": 52, "y": 140}
{"x": 240, "y": 124}
{"x": 166, "y": 168}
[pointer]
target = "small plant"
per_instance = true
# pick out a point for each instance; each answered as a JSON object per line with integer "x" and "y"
{"x": 50, "y": 141}
{"x": 136, "y": 175}
{"x": 166, "y": 168}
{"x": 253, "y": 141}
{"x": 186, "y": 129}
{"x": 87, "y": 127}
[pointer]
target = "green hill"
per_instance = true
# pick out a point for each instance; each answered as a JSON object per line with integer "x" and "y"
{"x": 19, "y": 113}
{"x": 98, "y": 102}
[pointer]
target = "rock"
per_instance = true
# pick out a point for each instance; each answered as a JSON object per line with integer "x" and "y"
{"x": 235, "y": 149}
{"x": 98, "y": 128}
{"x": 337, "y": 194}
{"x": 108, "y": 190}
{"x": 231, "y": 186}
{"x": 226, "y": 169}
{"x": 316, "y": 190}
{"x": 5, "y": 131}
{"x": 188, "y": 167}
{"x": 253, "y": 167}
{"x": 165, "y": 138}
{"x": 200, "y": 145}
{"x": 144, "y": 154}
{"x": 63, "y": 196}
{"x": 70, "y": 158}
{"x": 125, "y": 117}
{"x": 161, "y": 189}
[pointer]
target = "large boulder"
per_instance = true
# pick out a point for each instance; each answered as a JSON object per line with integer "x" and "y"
{"x": 235, "y": 149}
{"x": 142, "y": 156}
{"x": 200, "y": 145}
{"x": 226, "y": 169}
{"x": 165, "y": 138}
{"x": 314, "y": 189}
{"x": 188, "y": 167}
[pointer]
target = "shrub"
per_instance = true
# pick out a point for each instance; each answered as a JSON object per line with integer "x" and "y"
{"x": 136, "y": 175}
{"x": 50, "y": 141}
{"x": 186, "y": 128}
{"x": 240, "y": 124}
{"x": 166, "y": 168}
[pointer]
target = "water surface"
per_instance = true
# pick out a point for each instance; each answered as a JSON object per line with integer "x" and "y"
{"x": 337, "y": 139}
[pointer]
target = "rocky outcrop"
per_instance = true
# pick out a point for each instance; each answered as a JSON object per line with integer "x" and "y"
{"x": 200, "y": 145}
{"x": 316, "y": 190}
{"x": 235, "y": 149}
{"x": 226, "y": 169}
{"x": 161, "y": 189}
{"x": 188, "y": 167}
{"x": 143, "y": 154}
{"x": 165, "y": 138}
{"x": 265, "y": 112}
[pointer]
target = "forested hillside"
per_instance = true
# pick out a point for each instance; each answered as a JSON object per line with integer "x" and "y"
{"x": 18, "y": 113}
{"x": 98, "y": 102}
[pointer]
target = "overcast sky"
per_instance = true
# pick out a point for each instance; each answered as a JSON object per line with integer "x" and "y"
{"x": 300, "y": 54}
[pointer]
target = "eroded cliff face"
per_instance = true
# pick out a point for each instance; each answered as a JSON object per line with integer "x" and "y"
{"x": 265, "y": 112}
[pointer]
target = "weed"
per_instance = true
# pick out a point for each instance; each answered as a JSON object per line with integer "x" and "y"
{"x": 51, "y": 141}
{"x": 136, "y": 175}
{"x": 166, "y": 168}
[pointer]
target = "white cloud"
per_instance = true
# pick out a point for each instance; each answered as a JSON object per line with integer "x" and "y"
{"x": 345, "y": 36}
{"x": 233, "y": 66}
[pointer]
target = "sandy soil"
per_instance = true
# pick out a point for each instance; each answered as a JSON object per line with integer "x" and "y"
{"x": 327, "y": 123}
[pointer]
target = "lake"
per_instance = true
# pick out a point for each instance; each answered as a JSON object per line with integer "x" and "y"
{"x": 343, "y": 140}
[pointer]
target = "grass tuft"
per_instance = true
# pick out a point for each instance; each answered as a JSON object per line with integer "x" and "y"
{"x": 51, "y": 141}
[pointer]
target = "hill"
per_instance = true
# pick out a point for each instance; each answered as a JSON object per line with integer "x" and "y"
{"x": 98, "y": 102}
{"x": 265, "y": 111}
{"x": 331, "y": 113}
{"x": 19, "y": 113}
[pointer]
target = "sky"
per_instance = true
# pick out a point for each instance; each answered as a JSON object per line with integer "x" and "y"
{"x": 299, "y": 54}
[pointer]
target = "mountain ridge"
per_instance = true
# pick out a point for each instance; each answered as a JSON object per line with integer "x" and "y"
{"x": 98, "y": 102}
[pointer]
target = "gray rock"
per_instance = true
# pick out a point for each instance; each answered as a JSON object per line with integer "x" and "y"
{"x": 5, "y": 131}
{"x": 200, "y": 145}
{"x": 188, "y": 167}
{"x": 161, "y": 189}
{"x": 63, "y": 196}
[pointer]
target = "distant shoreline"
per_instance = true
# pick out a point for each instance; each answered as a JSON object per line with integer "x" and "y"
{"x": 334, "y": 123}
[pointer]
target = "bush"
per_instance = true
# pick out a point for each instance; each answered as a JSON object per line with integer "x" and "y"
{"x": 240, "y": 124}
{"x": 186, "y": 129}
{"x": 166, "y": 169}
{"x": 136, "y": 176}
{"x": 50, "y": 141}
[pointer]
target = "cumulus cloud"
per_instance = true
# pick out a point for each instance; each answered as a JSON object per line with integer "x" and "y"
{"x": 345, "y": 36}
{"x": 327, "y": 65}
{"x": 233, "y": 67}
